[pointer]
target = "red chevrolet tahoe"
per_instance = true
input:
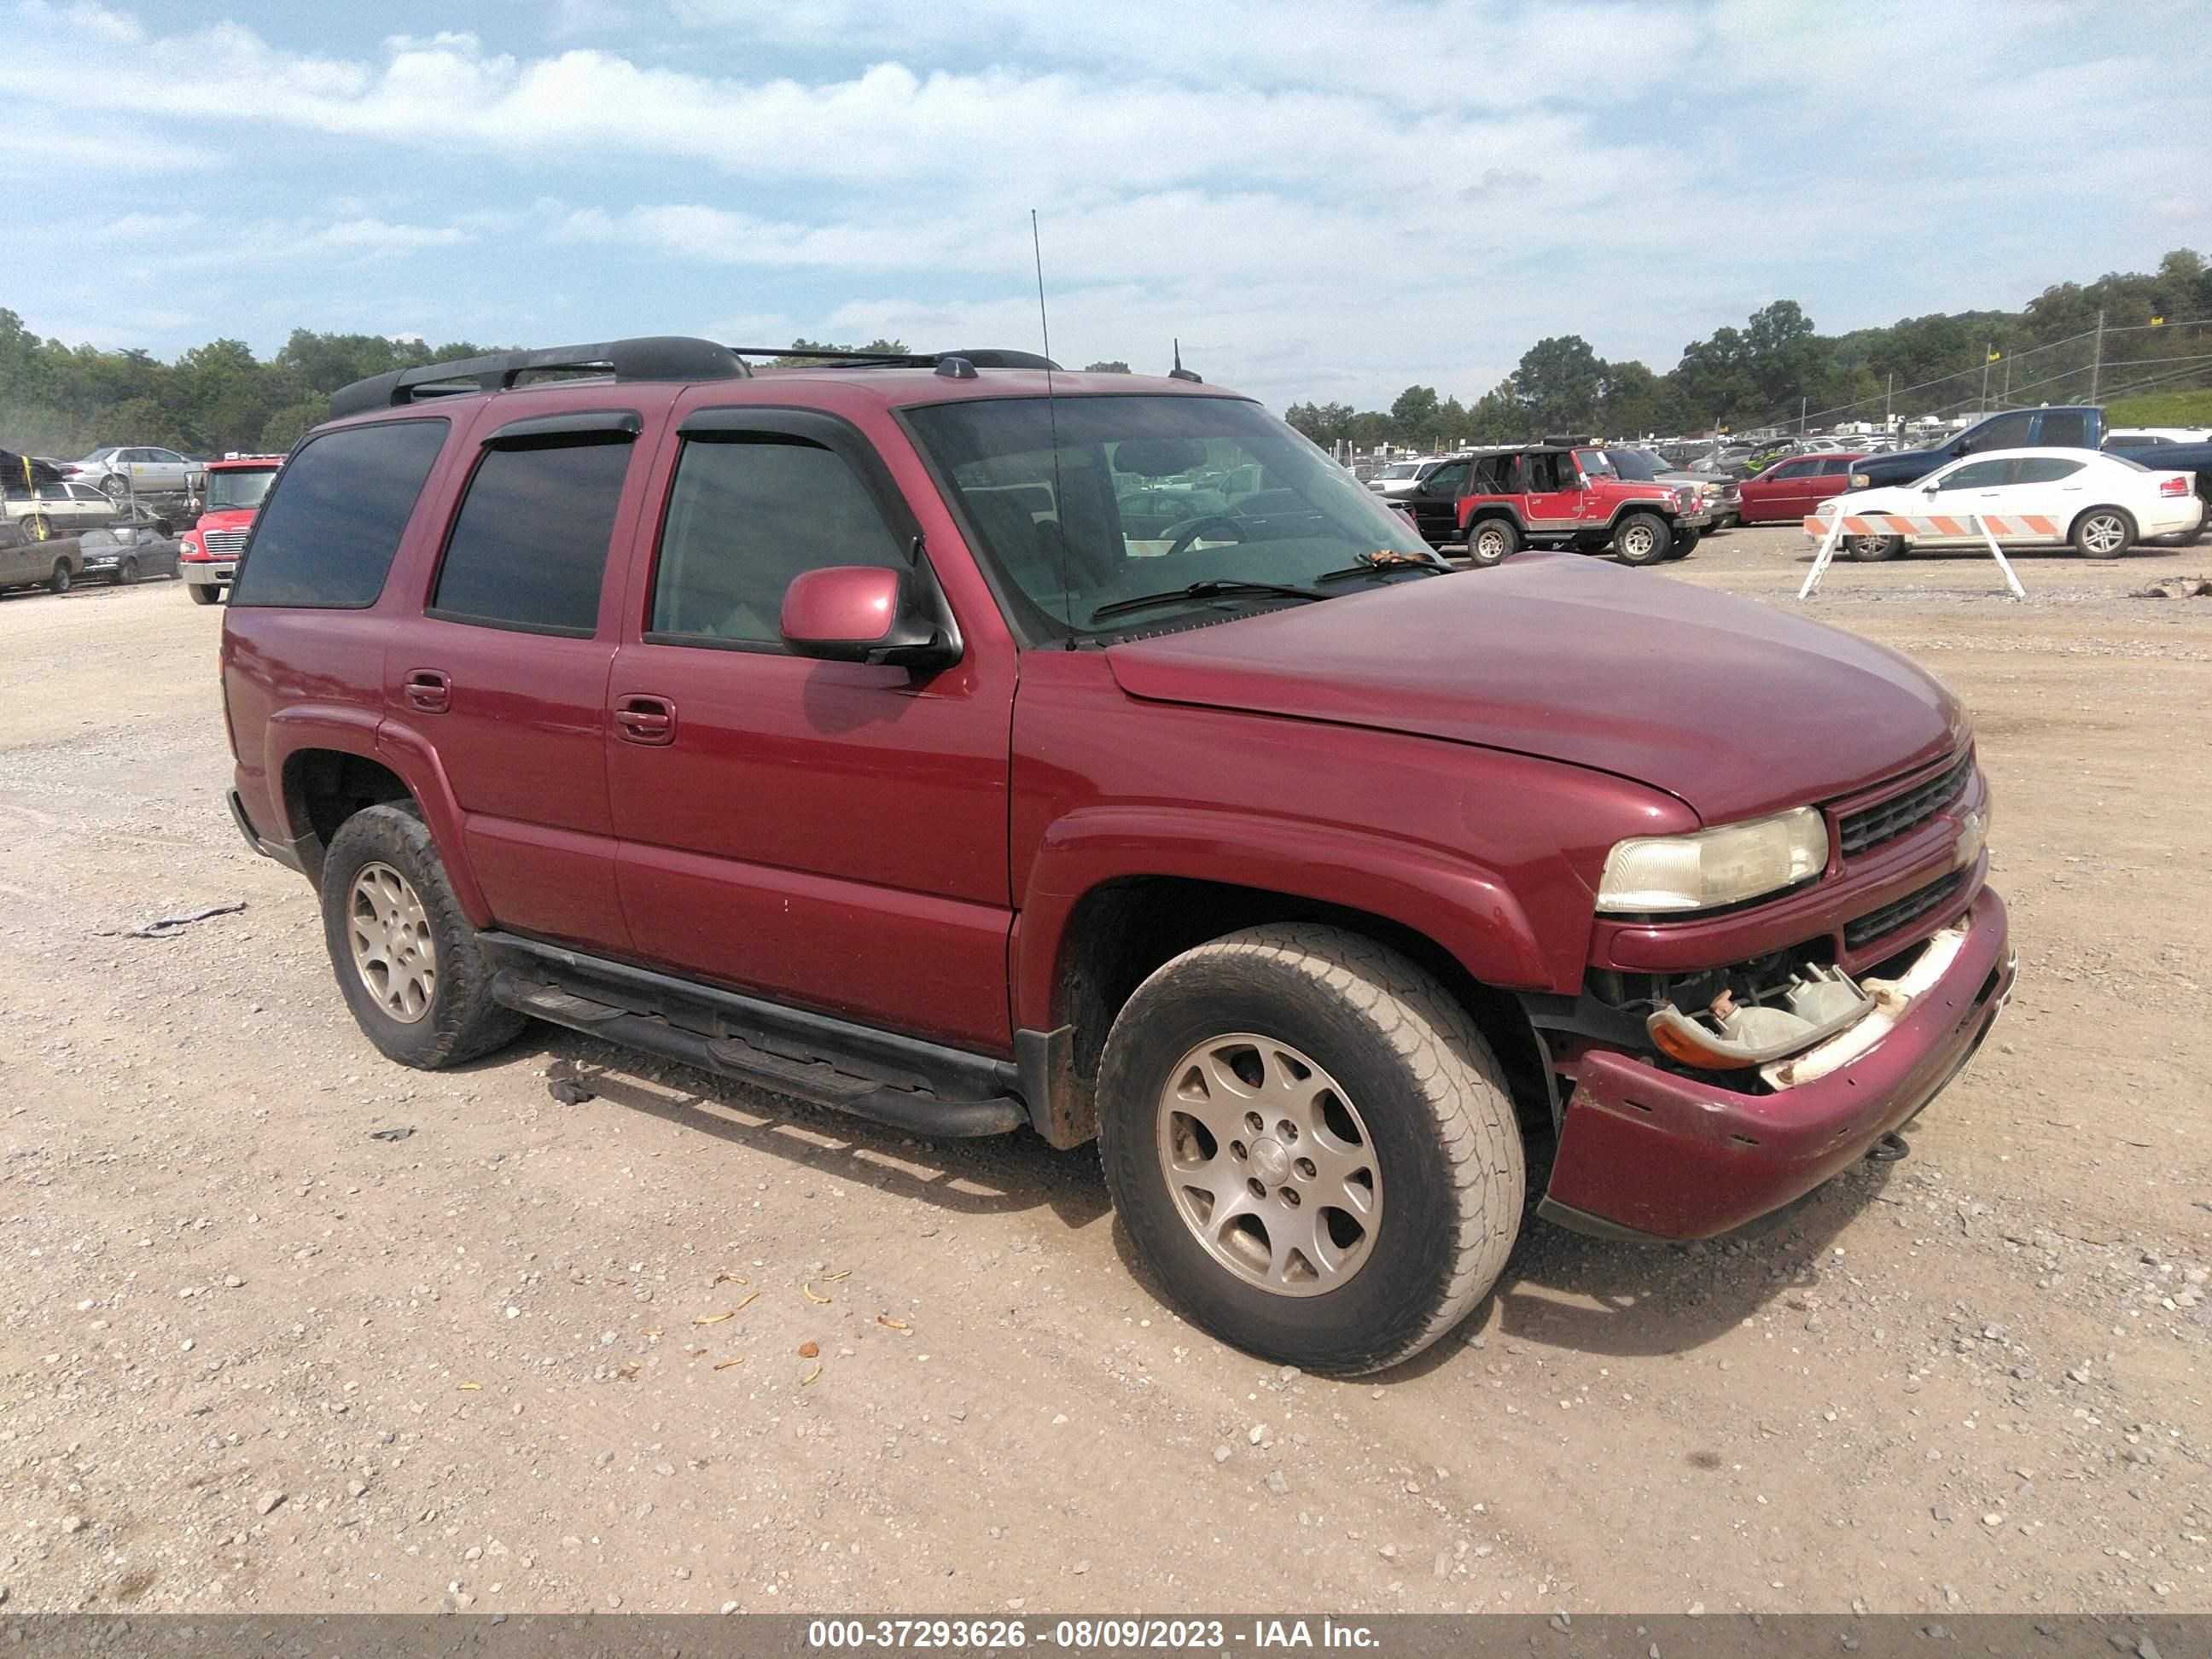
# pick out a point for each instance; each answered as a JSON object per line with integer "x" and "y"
{"x": 839, "y": 730}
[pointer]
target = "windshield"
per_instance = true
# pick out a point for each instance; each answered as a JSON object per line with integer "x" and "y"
{"x": 228, "y": 491}
{"x": 1149, "y": 493}
{"x": 1635, "y": 464}
{"x": 1398, "y": 469}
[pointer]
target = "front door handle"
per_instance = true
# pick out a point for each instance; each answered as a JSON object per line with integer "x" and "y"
{"x": 647, "y": 719}
{"x": 428, "y": 691}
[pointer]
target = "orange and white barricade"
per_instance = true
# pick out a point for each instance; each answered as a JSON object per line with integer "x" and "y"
{"x": 1952, "y": 526}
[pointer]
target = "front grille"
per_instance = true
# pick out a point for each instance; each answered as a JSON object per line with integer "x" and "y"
{"x": 224, "y": 544}
{"x": 1886, "y": 820}
{"x": 1879, "y": 924}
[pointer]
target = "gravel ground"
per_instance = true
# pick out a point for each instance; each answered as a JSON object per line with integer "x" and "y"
{"x": 682, "y": 1346}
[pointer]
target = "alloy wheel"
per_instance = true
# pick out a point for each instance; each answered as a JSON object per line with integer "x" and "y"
{"x": 1270, "y": 1164}
{"x": 394, "y": 949}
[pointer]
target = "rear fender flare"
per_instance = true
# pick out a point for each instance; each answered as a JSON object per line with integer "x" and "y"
{"x": 408, "y": 753}
{"x": 1493, "y": 510}
{"x": 1464, "y": 908}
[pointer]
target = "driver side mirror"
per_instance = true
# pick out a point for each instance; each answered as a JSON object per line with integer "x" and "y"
{"x": 864, "y": 613}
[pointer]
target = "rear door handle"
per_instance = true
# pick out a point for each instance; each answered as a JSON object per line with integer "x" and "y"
{"x": 429, "y": 690}
{"x": 647, "y": 719}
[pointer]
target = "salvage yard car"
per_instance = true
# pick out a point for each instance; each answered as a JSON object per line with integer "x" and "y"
{"x": 823, "y": 727}
{"x": 1564, "y": 493}
{"x": 2102, "y": 504}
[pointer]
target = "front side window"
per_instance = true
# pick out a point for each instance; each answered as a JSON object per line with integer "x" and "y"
{"x": 1450, "y": 479}
{"x": 528, "y": 550}
{"x": 1975, "y": 475}
{"x": 746, "y": 517}
{"x": 1050, "y": 526}
{"x": 2005, "y": 432}
{"x": 325, "y": 539}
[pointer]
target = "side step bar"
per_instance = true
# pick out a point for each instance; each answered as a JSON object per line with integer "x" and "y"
{"x": 914, "y": 1110}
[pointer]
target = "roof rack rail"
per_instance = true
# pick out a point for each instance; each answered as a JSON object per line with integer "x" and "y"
{"x": 650, "y": 357}
{"x": 982, "y": 357}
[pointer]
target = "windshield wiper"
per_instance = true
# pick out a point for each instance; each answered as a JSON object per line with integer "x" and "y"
{"x": 1210, "y": 589}
{"x": 1374, "y": 564}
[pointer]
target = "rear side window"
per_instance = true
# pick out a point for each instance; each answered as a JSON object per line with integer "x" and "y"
{"x": 529, "y": 548}
{"x": 326, "y": 537}
{"x": 744, "y": 519}
{"x": 1831, "y": 468}
{"x": 2043, "y": 469}
{"x": 2065, "y": 428}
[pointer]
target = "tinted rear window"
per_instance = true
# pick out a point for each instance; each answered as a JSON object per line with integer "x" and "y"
{"x": 530, "y": 547}
{"x": 325, "y": 539}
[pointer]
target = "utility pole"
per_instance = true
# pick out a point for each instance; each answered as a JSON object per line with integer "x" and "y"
{"x": 1988, "y": 352}
{"x": 2097, "y": 357}
{"x": 1888, "y": 392}
{"x": 2005, "y": 397}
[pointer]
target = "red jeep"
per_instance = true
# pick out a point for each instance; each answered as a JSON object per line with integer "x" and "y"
{"x": 207, "y": 554}
{"x": 1567, "y": 494}
{"x": 836, "y": 729}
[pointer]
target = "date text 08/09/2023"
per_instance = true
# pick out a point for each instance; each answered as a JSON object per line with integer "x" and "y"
{"x": 1215, "y": 1635}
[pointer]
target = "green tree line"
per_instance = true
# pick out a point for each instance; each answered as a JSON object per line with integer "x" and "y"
{"x": 2155, "y": 336}
{"x": 64, "y": 400}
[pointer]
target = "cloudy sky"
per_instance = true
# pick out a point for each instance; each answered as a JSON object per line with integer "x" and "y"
{"x": 1324, "y": 199}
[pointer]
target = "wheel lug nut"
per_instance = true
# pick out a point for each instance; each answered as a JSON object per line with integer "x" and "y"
{"x": 1286, "y": 1130}
{"x": 1306, "y": 1170}
{"x": 1253, "y": 1122}
{"x": 1290, "y": 1197}
{"x": 1257, "y": 1188}
{"x": 1236, "y": 1150}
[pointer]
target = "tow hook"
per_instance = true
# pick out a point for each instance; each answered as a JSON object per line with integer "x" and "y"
{"x": 1889, "y": 1149}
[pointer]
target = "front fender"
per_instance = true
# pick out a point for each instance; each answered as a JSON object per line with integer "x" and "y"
{"x": 1464, "y": 908}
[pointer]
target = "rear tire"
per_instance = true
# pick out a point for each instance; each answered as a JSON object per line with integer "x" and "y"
{"x": 1407, "y": 1091}
{"x": 1642, "y": 538}
{"x": 406, "y": 958}
{"x": 2103, "y": 533}
{"x": 1491, "y": 541}
{"x": 62, "y": 576}
{"x": 36, "y": 527}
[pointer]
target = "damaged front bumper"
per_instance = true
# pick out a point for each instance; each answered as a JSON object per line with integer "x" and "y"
{"x": 1651, "y": 1153}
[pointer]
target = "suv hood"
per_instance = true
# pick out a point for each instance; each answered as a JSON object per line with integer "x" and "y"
{"x": 1735, "y": 709}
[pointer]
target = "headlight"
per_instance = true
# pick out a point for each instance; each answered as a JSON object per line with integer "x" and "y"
{"x": 1862, "y": 481}
{"x": 1648, "y": 874}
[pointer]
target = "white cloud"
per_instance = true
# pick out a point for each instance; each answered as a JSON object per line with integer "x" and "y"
{"x": 1322, "y": 199}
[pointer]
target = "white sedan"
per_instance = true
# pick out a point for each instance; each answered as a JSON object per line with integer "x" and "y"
{"x": 2102, "y": 503}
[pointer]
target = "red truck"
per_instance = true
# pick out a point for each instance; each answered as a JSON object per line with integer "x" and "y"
{"x": 828, "y": 728}
{"x": 207, "y": 554}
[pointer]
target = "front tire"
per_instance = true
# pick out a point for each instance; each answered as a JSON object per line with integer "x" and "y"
{"x": 1375, "y": 1206}
{"x": 1642, "y": 538}
{"x": 126, "y": 573}
{"x": 2103, "y": 533}
{"x": 1686, "y": 541}
{"x": 406, "y": 958}
{"x": 203, "y": 593}
{"x": 1491, "y": 541}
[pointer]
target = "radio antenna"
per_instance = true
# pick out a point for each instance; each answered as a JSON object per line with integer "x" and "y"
{"x": 1052, "y": 415}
